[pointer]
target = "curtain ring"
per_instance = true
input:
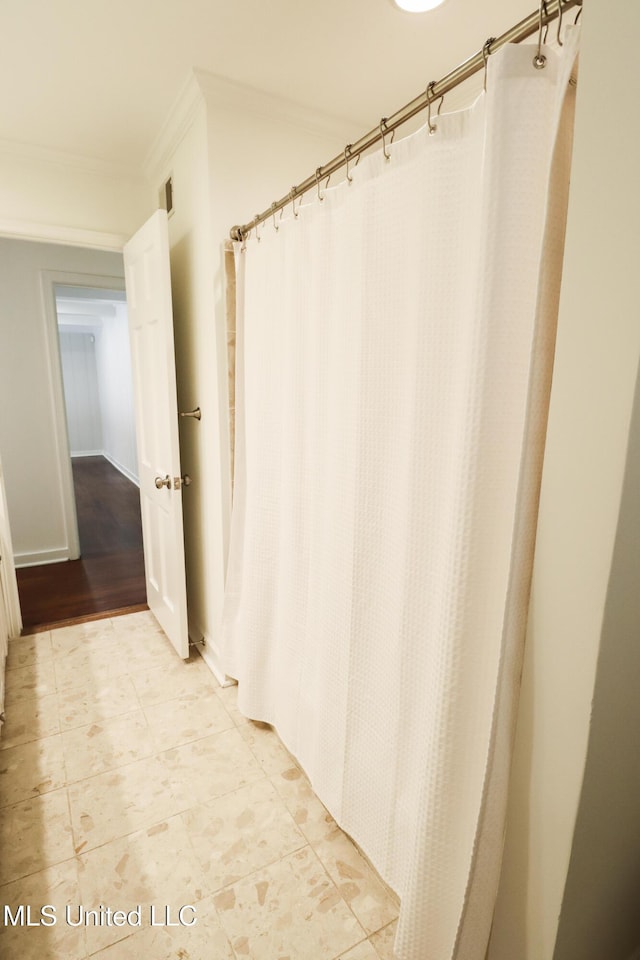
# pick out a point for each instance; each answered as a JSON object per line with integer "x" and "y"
{"x": 273, "y": 215}
{"x": 429, "y": 94}
{"x": 258, "y": 238}
{"x": 486, "y": 53}
{"x": 540, "y": 61}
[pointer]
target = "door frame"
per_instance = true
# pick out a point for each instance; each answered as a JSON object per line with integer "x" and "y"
{"x": 49, "y": 279}
{"x": 9, "y": 597}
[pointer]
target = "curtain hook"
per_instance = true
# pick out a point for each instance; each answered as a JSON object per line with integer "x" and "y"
{"x": 540, "y": 61}
{"x": 429, "y": 94}
{"x": 560, "y": 43}
{"x": 383, "y": 129}
{"x": 292, "y": 194}
{"x": 577, "y": 15}
{"x": 318, "y": 179}
{"x": 258, "y": 238}
{"x": 273, "y": 215}
{"x": 347, "y": 154}
{"x": 486, "y": 53}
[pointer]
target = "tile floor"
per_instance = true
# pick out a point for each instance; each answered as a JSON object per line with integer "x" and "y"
{"x": 129, "y": 780}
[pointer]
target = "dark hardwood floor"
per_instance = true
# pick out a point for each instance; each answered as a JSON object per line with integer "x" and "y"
{"x": 109, "y": 576}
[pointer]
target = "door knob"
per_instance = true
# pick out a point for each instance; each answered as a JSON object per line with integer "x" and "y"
{"x": 160, "y": 483}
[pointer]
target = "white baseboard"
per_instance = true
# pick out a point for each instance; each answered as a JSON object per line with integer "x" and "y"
{"x": 40, "y": 557}
{"x": 123, "y": 470}
{"x": 114, "y": 463}
{"x": 210, "y": 653}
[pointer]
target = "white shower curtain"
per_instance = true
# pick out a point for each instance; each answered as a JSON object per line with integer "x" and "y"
{"x": 394, "y": 352}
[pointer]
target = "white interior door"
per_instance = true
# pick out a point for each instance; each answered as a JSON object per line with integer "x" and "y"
{"x": 10, "y": 618}
{"x": 148, "y": 281}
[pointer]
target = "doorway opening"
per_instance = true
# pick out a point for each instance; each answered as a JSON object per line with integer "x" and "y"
{"x": 106, "y": 573}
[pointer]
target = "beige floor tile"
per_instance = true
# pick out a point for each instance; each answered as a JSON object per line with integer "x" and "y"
{"x": 34, "y": 834}
{"x": 33, "y": 648}
{"x": 102, "y": 700}
{"x": 106, "y": 745}
{"x": 372, "y": 903}
{"x": 383, "y": 941}
{"x": 175, "y": 798}
{"x": 143, "y": 621}
{"x": 31, "y": 769}
{"x": 28, "y": 720}
{"x": 204, "y": 940}
{"x": 267, "y": 747}
{"x": 237, "y": 834}
{"x": 149, "y": 652}
{"x": 190, "y": 717}
{"x": 290, "y": 909}
{"x": 66, "y": 639}
{"x": 119, "y": 802}
{"x": 146, "y": 644}
{"x": 56, "y": 886}
{"x": 310, "y": 815}
{"x": 30, "y": 682}
{"x": 363, "y": 951}
{"x": 229, "y": 697}
{"x": 97, "y": 660}
{"x": 169, "y": 682}
{"x": 208, "y": 768}
{"x": 155, "y": 866}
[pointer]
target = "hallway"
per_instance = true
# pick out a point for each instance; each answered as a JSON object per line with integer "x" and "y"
{"x": 109, "y": 575}
{"x": 130, "y": 779}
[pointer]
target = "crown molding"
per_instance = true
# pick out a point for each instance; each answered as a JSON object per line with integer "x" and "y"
{"x": 67, "y": 236}
{"x": 180, "y": 118}
{"x": 228, "y": 94}
{"x": 35, "y": 153}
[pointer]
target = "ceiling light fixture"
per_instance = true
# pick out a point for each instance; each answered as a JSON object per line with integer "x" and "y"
{"x": 417, "y": 6}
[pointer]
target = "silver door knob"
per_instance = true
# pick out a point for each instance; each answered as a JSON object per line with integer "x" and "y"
{"x": 160, "y": 483}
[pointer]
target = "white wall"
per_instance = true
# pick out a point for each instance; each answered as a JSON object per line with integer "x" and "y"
{"x": 82, "y": 402}
{"x": 52, "y": 196}
{"x": 98, "y": 378}
{"x": 28, "y": 436}
{"x": 600, "y": 908}
{"x": 115, "y": 389}
{"x": 583, "y": 623}
{"x": 230, "y": 151}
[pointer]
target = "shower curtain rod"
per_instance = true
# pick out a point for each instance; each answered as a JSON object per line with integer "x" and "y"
{"x": 548, "y": 11}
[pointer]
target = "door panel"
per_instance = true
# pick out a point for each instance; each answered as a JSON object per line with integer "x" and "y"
{"x": 148, "y": 281}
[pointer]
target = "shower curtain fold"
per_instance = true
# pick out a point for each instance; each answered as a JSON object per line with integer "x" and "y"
{"x": 393, "y": 359}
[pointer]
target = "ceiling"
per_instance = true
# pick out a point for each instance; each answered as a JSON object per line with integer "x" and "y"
{"x": 97, "y": 78}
